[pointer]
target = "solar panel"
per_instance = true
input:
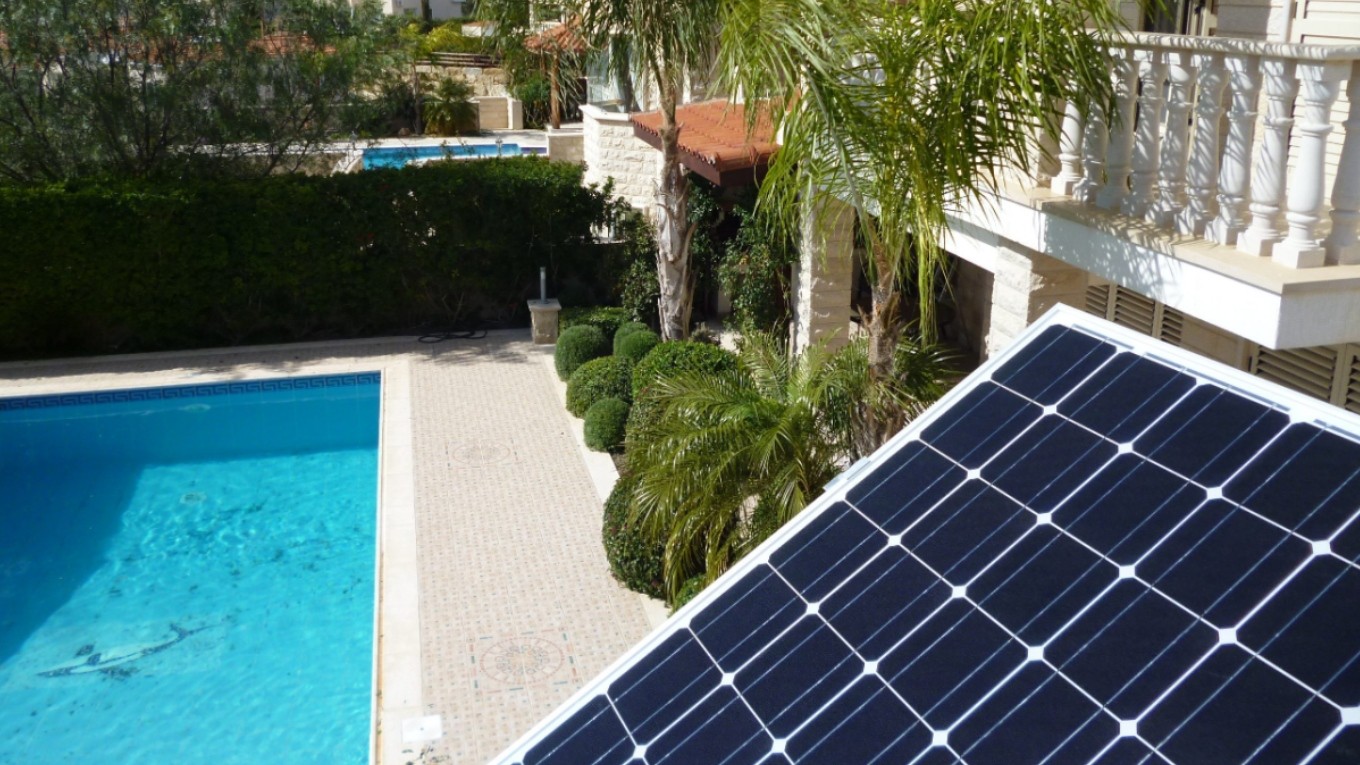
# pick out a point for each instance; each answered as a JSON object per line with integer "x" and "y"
{"x": 1097, "y": 549}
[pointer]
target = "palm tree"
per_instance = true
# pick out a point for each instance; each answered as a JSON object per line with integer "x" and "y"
{"x": 668, "y": 41}
{"x": 732, "y": 456}
{"x": 905, "y": 111}
{"x": 449, "y": 108}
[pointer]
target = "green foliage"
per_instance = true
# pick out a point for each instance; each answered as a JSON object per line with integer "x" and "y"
{"x": 606, "y": 318}
{"x": 577, "y": 345}
{"x": 672, "y": 358}
{"x": 633, "y": 558}
{"x": 625, "y": 329}
{"x": 688, "y": 591}
{"x": 636, "y": 345}
{"x": 449, "y": 108}
{"x": 596, "y": 380}
{"x": 727, "y": 457}
{"x": 638, "y": 290}
{"x": 93, "y": 268}
{"x": 604, "y": 424}
{"x": 755, "y": 274}
{"x": 447, "y": 38}
{"x": 133, "y": 88}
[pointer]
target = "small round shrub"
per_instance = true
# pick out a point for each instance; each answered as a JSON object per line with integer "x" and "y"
{"x": 692, "y": 587}
{"x": 634, "y": 558}
{"x": 605, "y": 421}
{"x": 608, "y": 377}
{"x": 679, "y": 356}
{"x": 606, "y": 318}
{"x": 636, "y": 345}
{"x": 625, "y": 329}
{"x": 577, "y": 345}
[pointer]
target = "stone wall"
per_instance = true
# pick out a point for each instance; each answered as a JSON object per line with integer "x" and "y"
{"x": 499, "y": 113}
{"x": 612, "y": 151}
{"x": 566, "y": 146}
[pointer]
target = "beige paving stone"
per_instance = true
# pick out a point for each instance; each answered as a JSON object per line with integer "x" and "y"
{"x": 517, "y": 609}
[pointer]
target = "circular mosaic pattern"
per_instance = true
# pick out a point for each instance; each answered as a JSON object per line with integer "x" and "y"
{"x": 480, "y": 454}
{"x": 521, "y": 661}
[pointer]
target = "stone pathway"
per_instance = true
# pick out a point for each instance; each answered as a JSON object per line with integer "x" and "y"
{"x": 517, "y": 608}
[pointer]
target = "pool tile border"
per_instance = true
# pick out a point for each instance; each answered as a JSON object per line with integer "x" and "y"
{"x": 189, "y": 390}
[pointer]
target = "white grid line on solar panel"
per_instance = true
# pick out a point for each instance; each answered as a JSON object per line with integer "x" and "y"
{"x": 1296, "y": 415}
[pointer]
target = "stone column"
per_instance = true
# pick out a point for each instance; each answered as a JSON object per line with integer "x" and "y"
{"x": 824, "y": 278}
{"x": 1026, "y": 284}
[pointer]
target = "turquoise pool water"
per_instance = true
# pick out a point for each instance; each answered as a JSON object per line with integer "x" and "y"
{"x": 187, "y": 574}
{"x": 399, "y": 156}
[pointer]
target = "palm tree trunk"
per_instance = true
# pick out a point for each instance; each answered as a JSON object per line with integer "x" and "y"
{"x": 554, "y": 94}
{"x": 885, "y": 330}
{"x": 672, "y": 226}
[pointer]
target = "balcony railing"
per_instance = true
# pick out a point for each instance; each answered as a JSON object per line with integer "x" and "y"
{"x": 1172, "y": 158}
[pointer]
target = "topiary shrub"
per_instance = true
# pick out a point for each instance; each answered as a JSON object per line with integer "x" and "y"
{"x": 625, "y": 329}
{"x": 608, "y": 377}
{"x": 604, "y": 425}
{"x": 634, "y": 558}
{"x": 577, "y": 345}
{"x": 606, "y": 318}
{"x": 676, "y": 357}
{"x": 634, "y": 346}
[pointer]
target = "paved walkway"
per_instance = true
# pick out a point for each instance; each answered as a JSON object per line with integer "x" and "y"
{"x": 517, "y": 607}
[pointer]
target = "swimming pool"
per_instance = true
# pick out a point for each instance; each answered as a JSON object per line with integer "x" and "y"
{"x": 187, "y": 573}
{"x": 400, "y": 156}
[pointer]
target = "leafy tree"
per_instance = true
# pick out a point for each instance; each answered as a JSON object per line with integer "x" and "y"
{"x": 139, "y": 88}
{"x": 733, "y": 455}
{"x": 906, "y": 112}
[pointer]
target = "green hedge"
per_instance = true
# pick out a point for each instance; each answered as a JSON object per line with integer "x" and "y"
{"x": 636, "y": 345}
{"x": 97, "y": 268}
{"x": 676, "y": 357}
{"x": 604, "y": 424}
{"x": 634, "y": 559}
{"x": 607, "y": 318}
{"x": 577, "y": 345}
{"x": 608, "y": 377}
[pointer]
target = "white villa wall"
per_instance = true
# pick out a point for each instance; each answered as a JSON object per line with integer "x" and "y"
{"x": 611, "y": 151}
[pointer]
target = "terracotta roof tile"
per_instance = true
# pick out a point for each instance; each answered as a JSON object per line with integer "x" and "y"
{"x": 713, "y": 134}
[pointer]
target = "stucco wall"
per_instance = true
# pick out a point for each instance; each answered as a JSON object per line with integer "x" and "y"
{"x": 612, "y": 151}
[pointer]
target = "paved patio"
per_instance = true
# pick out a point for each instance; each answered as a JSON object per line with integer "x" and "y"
{"x": 517, "y": 609}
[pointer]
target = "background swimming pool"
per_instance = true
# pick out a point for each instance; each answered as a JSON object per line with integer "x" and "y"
{"x": 189, "y": 579}
{"x": 399, "y": 156}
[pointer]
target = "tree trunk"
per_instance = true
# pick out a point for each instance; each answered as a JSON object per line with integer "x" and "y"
{"x": 884, "y": 331}
{"x": 554, "y": 95}
{"x": 673, "y": 228}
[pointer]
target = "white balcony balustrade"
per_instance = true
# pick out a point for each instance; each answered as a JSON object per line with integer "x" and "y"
{"x": 1257, "y": 180}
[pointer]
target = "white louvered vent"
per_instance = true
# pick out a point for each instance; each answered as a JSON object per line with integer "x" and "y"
{"x": 1098, "y": 299}
{"x": 1307, "y": 370}
{"x": 1352, "y": 392}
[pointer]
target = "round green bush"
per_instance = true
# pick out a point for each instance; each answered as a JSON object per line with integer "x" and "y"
{"x": 608, "y": 377}
{"x": 634, "y": 346}
{"x": 577, "y": 345}
{"x": 605, "y": 421}
{"x": 680, "y": 356}
{"x": 625, "y": 329}
{"x": 634, "y": 558}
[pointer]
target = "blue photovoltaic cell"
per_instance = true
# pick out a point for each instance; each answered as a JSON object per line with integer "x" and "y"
{"x": 1088, "y": 556}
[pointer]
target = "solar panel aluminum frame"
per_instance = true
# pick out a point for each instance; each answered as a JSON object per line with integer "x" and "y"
{"x": 1299, "y": 408}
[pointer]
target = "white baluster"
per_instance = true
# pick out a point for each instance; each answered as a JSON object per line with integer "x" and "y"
{"x": 1147, "y": 140}
{"x": 1095, "y": 142}
{"x": 1120, "y": 155}
{"x": 1069, "y": 150}
{"x": 1343, "y": 246}
{"x": 1202, "y": 174}
{"x": 1234, "y": 174}
{"x": 1268, "y": 174}
{"x": 1320, "y": 87}
{"x": 1171, "y": 176}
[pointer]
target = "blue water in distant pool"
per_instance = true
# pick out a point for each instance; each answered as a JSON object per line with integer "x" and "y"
{"x": 399, "y": 156}
{"x": 189, "y": 578}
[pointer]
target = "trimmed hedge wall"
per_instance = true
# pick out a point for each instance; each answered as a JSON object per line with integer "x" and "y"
{"x": 133, "y": 267}
{"x": 604, "y": 424}
{"x": 607, "y": 377}
{"x": 634, "y": 559}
